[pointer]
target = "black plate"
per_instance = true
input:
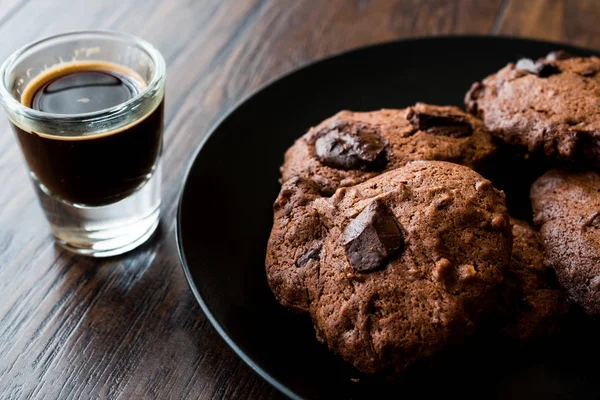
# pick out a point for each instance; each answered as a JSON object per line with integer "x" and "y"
{"x": 225, "y": 217}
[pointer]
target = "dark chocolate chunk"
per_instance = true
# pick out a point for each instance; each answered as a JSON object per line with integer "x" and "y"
{"x": 594, "y": 221}
{"x": 438, "y": 122}
{"x": 313, "y": 253}
{"x": 351, "y": 146}
{"x": 589, "y": 72}
{"x": 541, "y": 68}
{"x": 372, "y": 237}
{"x": 558, "y": 55}
{"x": 545, "y": 69}
{"x": 474, "y": 94}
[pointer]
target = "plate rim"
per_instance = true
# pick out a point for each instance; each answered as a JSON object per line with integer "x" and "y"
{"x": 219, "y": 121}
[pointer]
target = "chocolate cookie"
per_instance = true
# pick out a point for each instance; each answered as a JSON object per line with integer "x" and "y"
{"x": 550, "y": 106}
{"x": 535, "y": 303}
{"x": 295, "y": 243}
{"x": 394, "y": 268}
{"x": 352, "y": 147}
{"x": 566, "y": 205}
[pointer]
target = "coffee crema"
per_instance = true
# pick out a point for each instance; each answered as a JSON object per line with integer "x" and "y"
{"x": 91, "y": 169}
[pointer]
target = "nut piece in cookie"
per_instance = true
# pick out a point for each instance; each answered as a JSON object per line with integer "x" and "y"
{"x": 549, "y": 106}
{"x": 566, "y": 207}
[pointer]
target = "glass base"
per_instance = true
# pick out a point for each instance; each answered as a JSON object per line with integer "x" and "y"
{"x": 106, "y": 230}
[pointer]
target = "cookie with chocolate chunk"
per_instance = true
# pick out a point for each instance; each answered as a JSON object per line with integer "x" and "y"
{"x": 534, "y": 300}
{"x": 295, "y": 242}
{"x": 398, "y": 267}
{"x": 549, "y": 106}
{"x": 566, "y": 206}
{"x": 352, "y": 147}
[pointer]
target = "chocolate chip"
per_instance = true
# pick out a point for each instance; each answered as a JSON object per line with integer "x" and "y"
{"x": 558, "y": 55}
{"x": 541, "y": 68}
{"x": 474, "y": 94}
{"x": 372, "y": 237}
{"x": 313, "y": 253}
{"x": 593, "y": 221}
{"x": 439, "y": 122}
{"x": 351, "y": 146}
{"x": 545, "y": 69}
{"x": 589, "y": 72}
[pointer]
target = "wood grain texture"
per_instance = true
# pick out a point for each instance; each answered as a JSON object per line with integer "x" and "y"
{"x": 573, "y": 21}
{"x": 129, "y": 327}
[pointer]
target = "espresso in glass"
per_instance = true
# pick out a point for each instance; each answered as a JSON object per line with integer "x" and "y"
{"x": 93, "y": 169}
{"x": 87, "y": 112}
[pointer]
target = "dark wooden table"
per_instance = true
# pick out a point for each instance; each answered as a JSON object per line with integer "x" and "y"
{"x": 129, "y": 327}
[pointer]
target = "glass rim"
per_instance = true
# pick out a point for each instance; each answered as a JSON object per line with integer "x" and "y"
{"x": 18, "y": 108}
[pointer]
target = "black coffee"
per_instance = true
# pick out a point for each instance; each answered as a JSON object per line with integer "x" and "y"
{"x": 95, "y": 169}
{"x": 81, "y": 92}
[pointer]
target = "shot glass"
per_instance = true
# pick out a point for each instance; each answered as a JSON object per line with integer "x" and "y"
{"x": 96, "y": 173}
